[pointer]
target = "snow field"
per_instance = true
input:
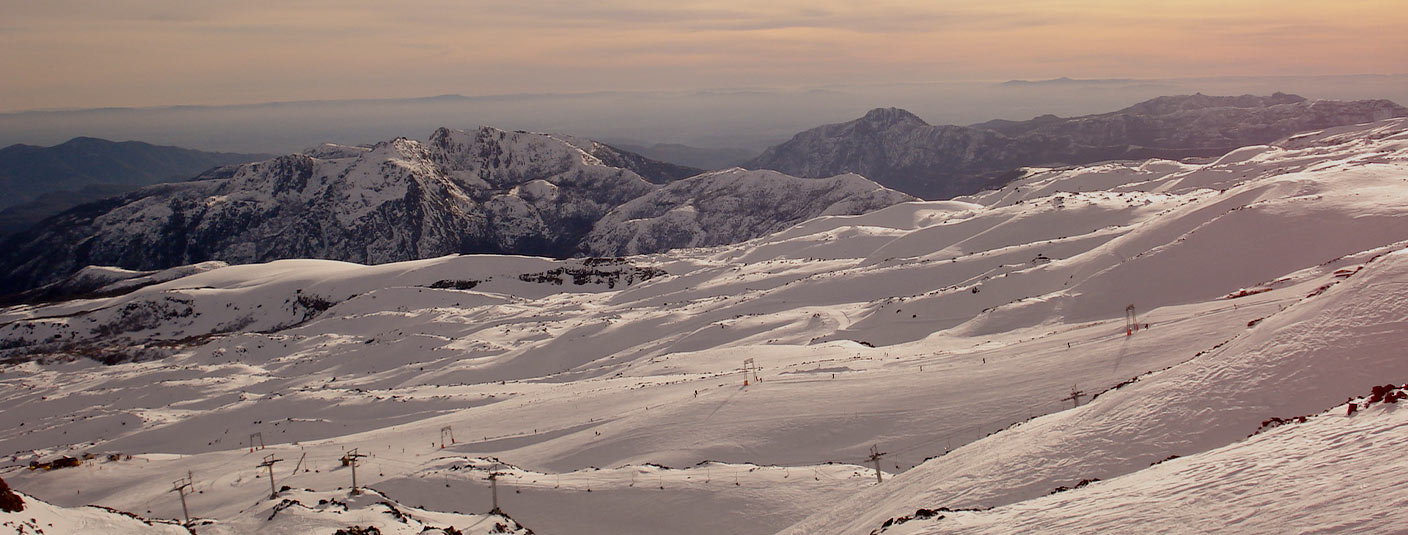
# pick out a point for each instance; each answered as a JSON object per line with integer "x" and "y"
{"x": 1328, "y": 475}
{"x": 926, "y": 329}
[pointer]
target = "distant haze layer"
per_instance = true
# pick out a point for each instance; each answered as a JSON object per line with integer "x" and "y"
{"x": 748, "y": 118}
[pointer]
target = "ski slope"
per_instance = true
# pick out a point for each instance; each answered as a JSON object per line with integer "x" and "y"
{"x": 1329, "y": 475}
{"x": 1271, "y": 281}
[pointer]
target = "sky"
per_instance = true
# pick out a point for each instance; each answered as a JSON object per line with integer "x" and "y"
{"x": 68, "y": 54}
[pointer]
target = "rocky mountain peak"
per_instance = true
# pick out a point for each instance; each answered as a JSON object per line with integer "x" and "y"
{"x": 730, "y": 206}
{"x": 498, "y": 158}
{"x": 898, "y": 150}
{"x": 334, "y": 151}
{"x": 481, "y": 190}
{"x": 403, "y": 147}
{"x": 886, "y": 117}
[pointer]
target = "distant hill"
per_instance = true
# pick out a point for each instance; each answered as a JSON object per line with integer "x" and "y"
{"x": 28, "y": 171}
{"x": 899, "y": 150}
{"x": 1067, "y": 81}
{"x": 702, "y": 158}
{"x": 24, "y": 215}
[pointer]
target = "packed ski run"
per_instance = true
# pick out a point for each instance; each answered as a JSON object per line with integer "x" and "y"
{"x": 1079, "y": 324}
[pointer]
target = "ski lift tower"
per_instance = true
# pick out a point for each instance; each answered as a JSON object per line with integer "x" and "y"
{"x": 1131, "y": 323}
{"x": 750, "y": 367}
{"x": 1075, "y": 396}
{"x": 447, "y": 431}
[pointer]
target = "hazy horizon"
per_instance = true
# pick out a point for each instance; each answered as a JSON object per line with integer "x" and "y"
{"x": 277, "y": 76}
{"x": 747, "y": 118}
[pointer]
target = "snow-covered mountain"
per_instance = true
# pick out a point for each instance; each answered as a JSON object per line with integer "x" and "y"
{"x": 901, "y": 151}
{"x": 624, "y": 396}
{"x": 478, "y": 191}
{"x": 731, "y": 206}
{"x": 654, "y": 171}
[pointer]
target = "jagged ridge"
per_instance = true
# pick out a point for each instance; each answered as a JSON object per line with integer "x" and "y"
{"x": 731, "y": 206}
{"x": 901, "y": 151}
{"x": 478, "y": 191}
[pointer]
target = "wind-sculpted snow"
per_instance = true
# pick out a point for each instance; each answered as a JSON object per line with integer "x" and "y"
{"x": 901, "y": 151}
{"x": 1268, "y": 283}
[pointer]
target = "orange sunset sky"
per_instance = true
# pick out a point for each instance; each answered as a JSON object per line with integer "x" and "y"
{"x": 91, "y": 53}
